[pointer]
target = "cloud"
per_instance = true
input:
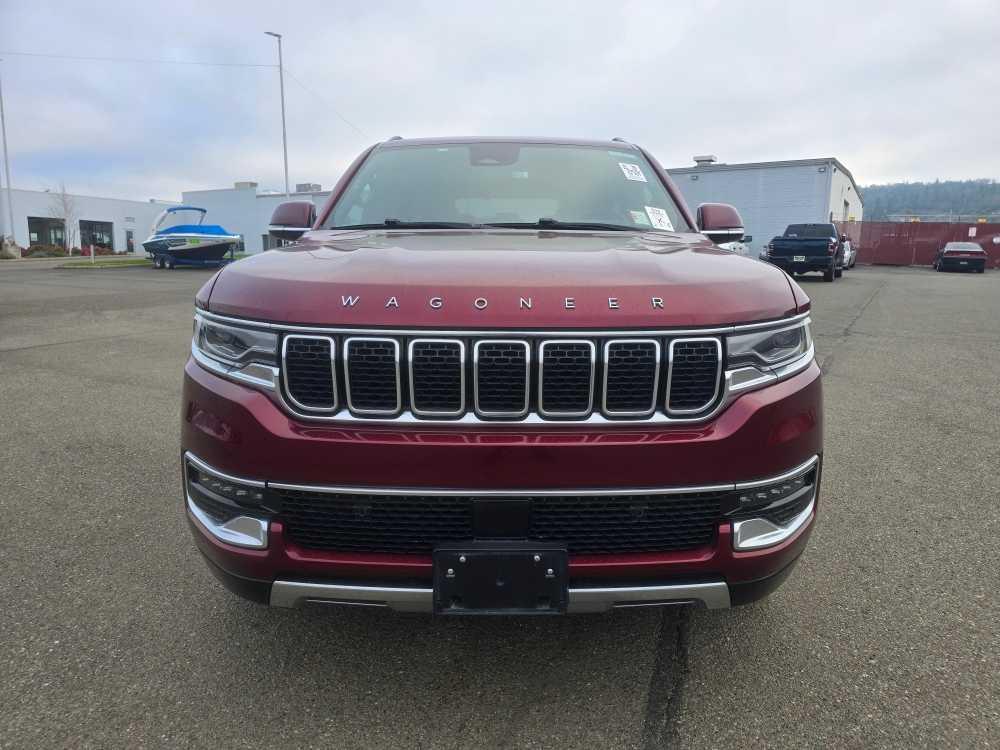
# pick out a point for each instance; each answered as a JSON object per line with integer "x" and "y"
{"x": 898, "y": 91}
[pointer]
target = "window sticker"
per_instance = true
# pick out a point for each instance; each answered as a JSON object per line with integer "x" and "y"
{"x": 632, "y": 172}
{"x": 659, "y": 218}
{"x": 638, "y": 217}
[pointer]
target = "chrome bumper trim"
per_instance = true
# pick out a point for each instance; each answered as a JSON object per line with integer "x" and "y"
{"x": 242, "y": 531}
{"x": 757, "y": 533}
{"x": 712, "y": 595}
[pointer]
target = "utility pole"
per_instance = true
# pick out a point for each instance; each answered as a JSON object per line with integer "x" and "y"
{"x": 281, "y": 81}
{"x": 6, "y": 169}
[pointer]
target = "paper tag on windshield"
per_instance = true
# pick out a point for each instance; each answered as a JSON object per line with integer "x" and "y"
{"x": 632, "y": 172}
{"x": 659, "y": 218}
{"x": 638, "y": 217}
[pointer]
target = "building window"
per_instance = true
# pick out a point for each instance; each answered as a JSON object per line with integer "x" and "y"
{"x": 45, "y": 231}
{"x": 97, "y": 233}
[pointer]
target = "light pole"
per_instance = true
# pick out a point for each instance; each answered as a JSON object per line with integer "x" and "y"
{"x": 6, "y": 169}
{"x": 284, "y": 134}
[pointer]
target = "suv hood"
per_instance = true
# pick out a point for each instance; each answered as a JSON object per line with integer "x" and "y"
{"x": 502, "y": 279}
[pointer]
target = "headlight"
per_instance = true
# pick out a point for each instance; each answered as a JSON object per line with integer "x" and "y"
{"x": 243, "y": 354}
{"x": 757, "y": 358}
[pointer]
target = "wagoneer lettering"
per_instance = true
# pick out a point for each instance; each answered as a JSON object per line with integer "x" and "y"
{"x": 460, "y": 391}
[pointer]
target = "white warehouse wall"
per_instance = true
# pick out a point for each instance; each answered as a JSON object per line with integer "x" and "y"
{"x": 769, "y": 196}
{"x": 123, "y": 215}
{"x": 842, "y": 191}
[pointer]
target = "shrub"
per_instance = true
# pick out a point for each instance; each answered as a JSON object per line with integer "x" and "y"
{"x": 45, "y": 251}
{"x": 9, "y": 250}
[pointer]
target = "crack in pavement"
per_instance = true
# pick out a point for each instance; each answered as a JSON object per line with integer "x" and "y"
{"x": 667, "y": 680}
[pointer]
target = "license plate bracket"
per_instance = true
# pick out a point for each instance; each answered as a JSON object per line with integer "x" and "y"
{"x": 493, "y": 578}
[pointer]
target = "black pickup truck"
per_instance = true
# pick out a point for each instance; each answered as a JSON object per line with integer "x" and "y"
{"x": 809, "y": 247}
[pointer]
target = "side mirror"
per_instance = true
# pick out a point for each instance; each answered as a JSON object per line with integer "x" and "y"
{"x": 292, "y": 219}
{"x": 720, "y": 222}
{"x": 748, "y": 238}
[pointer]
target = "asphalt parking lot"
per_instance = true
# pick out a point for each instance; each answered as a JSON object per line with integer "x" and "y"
{"x": 115, "y": 634}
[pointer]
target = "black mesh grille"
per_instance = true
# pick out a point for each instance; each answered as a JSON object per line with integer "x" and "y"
{"x": 631, "y": 376}
{"x": 436, "y": 370}
{"x": 501, "y": 376}
{"x": 372, "y": 523}
{"x": 694, "y": 375}
{"x": 372, "y": 374}
{"x": 566, "y": 377}
{"x": 632, "y": 523}
{"x": 309, "y": 372}
{"x": 416, "y": 524}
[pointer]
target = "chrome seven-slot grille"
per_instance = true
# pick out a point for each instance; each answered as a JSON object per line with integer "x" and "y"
{"x": 501, "y": 378}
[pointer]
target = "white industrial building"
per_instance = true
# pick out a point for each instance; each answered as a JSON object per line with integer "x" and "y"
{"x": 244, "y": 211}
{"x": 40, "y": 218}
{"x": 771, "y": 195}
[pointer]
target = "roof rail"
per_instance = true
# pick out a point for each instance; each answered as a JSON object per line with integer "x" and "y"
{"x": 396, "y": 138}
{"x": 619, "y": 140}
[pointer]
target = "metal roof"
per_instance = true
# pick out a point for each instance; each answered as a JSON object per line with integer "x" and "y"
{"x": 698, "y": 169}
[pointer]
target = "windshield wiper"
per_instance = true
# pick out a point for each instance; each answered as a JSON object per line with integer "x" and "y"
{"x": 400, "y": 224}
{"x": 556, "y": 224}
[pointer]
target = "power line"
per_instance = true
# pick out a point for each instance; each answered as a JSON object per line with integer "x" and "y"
{"x": 142, "y": 60}
{"x": 333, "y": 109}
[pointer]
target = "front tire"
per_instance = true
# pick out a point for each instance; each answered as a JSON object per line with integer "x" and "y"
{"x": 158, "y": 262}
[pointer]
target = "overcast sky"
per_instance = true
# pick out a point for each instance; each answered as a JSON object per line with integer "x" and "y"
{"x": 907, "y": 92}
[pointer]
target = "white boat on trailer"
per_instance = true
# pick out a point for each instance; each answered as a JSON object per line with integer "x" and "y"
{"x": 188, "y": 243}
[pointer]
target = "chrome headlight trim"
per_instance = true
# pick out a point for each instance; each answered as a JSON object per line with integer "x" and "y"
{"x": 743, "y": 376}
{"x": 250, "y": 368}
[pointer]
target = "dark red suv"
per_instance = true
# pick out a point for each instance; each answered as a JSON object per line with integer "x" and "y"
{"x": 502, "y": 376}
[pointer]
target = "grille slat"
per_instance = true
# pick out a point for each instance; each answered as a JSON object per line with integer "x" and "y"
{"x": 565, "y": 378}
{"x": 693, "y": 382}
{"x": 437, "y": 377}
{"x": 309, "y": 372}
{"x": 631, "y": 376}
{"x": 372, "y": 366}
{"x": 501, "y": 378}
{"x": 415, "y": 524}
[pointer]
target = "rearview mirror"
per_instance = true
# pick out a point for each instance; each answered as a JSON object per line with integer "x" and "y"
{"x": 720, "y": 222}
{"x": 292, "y": 219}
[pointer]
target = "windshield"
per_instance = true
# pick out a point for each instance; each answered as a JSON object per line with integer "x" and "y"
{"x": 810, "y": 231}
{"x": 507, "y": 184}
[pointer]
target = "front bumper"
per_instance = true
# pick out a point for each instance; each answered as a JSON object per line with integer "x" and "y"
{"x": 240, "y": 432}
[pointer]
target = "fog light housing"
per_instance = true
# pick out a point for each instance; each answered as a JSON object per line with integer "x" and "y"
{"x": 229, "y": 508}
{"x": 768, "y": 512}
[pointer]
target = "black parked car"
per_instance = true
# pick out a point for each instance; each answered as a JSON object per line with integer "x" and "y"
{"x": 961, "y": 256}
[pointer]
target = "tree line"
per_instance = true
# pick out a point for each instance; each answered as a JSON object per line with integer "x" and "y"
{"x": 941, "y": 197}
